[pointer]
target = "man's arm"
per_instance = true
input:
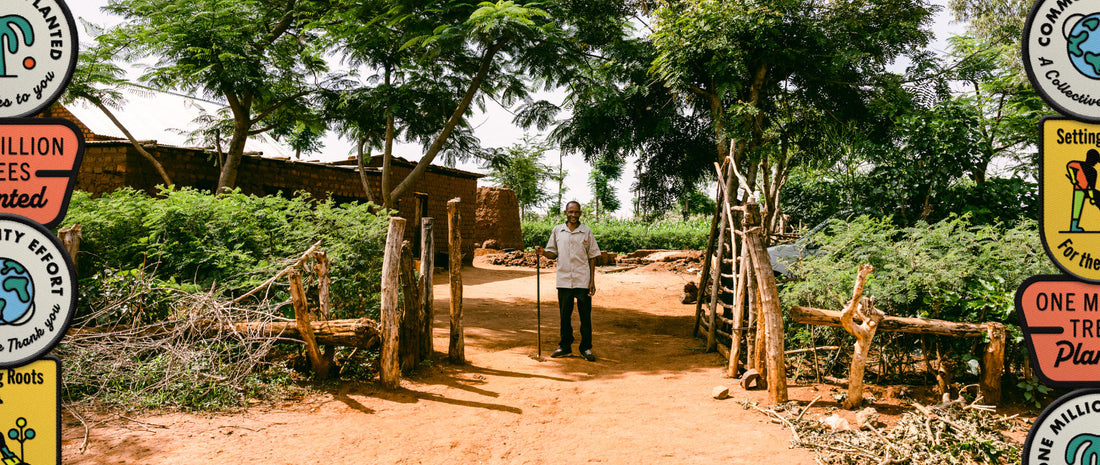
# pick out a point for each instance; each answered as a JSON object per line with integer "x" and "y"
{"x": 539, "y": 251}
{"x": 551, "y": 250}
{"x": 591, "y": 277}
{"x": 593, "y": 254}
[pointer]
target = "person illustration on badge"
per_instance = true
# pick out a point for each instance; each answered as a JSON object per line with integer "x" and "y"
{"x": 1082, "y": 174}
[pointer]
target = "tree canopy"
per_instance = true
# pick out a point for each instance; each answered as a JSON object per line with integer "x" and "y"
{"x": 757, "y": 81}
{"x": 262, "y": 57}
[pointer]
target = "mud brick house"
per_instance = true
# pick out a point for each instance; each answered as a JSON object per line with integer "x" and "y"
{"x": 111, "y": 163}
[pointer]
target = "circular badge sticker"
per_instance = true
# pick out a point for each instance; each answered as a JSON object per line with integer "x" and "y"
{"x": 37, "y": 290}
{"x": 1067, "y": 432}
{"x": 37, "y": 56}
{"x": 1061, "y": 49}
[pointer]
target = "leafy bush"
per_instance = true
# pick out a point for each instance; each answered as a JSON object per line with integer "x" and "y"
{"x": 229, "y": 243}
{"x": 624, "y": 236}
{"x": 951, "y": 270}
{"x": 165, "y": 266}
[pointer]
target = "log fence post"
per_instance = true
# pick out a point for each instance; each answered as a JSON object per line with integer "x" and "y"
{"x": 305, "y": 329}
{"x": 993, "y": 364}
{"x": 412, "y": 323}
{"x": 863, "y": 332}
{"x": 769, "y": 305}
{"x": 70, "y": 237}
{"x": 427, "y": 270}
{"x": 389, "y": 372}
{"x": 456, "y": 351}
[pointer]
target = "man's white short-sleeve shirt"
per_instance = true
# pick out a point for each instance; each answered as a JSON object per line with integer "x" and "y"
{"x": 574, "y": 249}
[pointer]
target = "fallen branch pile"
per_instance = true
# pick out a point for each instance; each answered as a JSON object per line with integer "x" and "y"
{"x": 950, "y": 433}
{"x": 151, "y": 364}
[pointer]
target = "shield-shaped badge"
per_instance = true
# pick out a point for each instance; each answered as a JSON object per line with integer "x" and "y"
{"x": 1069, "y": 184}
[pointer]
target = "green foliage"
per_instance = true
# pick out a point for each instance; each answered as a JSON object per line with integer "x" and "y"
{"x": 1034, "y": 392}
{"x": 813, "y": 197}
{"x": 623, "y": 236}
{"x": 229, "y": 243}
{"x": 951, "y": 270}
{"x": 519, "y": 167}
{"x": 605, "y": 171}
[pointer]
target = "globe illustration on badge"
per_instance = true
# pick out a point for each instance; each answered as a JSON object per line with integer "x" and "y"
{"x": 16, "y": 293}
{"x": 1083, "y": 44}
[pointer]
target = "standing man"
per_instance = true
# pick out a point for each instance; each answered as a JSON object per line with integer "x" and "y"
{"x": 575, "y": 248}
{"x": 1082, "y": 174}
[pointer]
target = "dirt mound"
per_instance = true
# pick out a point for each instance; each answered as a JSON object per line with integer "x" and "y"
{"x": 519, "y": 258}
{"x": 678, "y": 261}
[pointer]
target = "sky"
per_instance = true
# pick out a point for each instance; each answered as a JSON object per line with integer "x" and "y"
{"x": 494, "y": 126}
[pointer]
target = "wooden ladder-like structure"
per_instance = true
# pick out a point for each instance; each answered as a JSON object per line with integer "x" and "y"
{"x": 740, "y": 290}
{"x": 722, "y": 321}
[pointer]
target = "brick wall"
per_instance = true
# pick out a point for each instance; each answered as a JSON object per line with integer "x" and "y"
{"x": 109, "y": 165}
{"x": 498, "y": 217}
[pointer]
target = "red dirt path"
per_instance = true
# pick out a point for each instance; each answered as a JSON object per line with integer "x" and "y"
{"x": 646, "y": 400}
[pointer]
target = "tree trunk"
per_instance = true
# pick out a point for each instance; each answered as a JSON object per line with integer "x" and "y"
{"x": 388, "y": 200}
{"x": 863, "y": 333}
{"x": 148, "y": 156}
{"x": 227, "y": 179}
{"x": 389, "y": 372}
{"x": 361, "y": 162}
{"x": 452, "y": 122}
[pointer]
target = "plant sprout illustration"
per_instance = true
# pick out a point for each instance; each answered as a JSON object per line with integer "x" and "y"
{"x": 8, "y": 27}
{"x": 23, "y": 434}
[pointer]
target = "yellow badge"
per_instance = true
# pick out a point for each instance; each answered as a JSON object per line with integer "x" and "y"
{"x": 1070, "y": 215}
{"x": 30, "y": 415}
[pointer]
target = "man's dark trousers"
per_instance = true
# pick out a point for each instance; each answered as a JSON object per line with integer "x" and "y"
{"x": 584, "y": 310}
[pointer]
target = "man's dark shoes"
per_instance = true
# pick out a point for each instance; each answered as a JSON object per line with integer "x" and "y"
{"x": 560, "y": 353}
{"x": 588, "y": 356}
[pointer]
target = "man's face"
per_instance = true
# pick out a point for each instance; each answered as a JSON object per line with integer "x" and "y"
{"x": 573, "y": 214}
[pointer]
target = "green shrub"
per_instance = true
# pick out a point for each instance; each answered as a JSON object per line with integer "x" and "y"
{"x": 624, "y": 236}
{"x": 951, "y": 270}
{"x": 229, "y": 243}
{"x": 153, "y": 264}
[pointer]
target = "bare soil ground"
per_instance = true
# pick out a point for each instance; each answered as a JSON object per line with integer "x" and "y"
{"x": 646, "y": 400}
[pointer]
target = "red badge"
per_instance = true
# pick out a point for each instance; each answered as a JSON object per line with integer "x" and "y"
{"x": 39, "y": 160}
{"x": 1060, "y": 318}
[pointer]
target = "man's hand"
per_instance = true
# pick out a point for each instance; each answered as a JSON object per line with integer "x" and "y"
{"x": 592, "y": 288}
{"x": 538, "y": 250}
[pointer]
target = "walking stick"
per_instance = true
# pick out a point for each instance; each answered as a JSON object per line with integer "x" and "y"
{"x": 538, "y": 301}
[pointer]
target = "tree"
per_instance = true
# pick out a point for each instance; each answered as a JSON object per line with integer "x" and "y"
{"x": 753, "y": 81}
{"x": 519, "y": 167}
{"x": 604, "y": 172}
{"x": 262, "y": 57}
{"x": 427, "y": 64}
{"x": 765, "y": 74}
{"x": 97, "y": 80}
{"x": 618, "y": 110}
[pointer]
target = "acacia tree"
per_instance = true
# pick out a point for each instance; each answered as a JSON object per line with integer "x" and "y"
{"x": 764, "y": 73}
{"x": 427, "y": 64}
{"x": 262, "y": 57}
